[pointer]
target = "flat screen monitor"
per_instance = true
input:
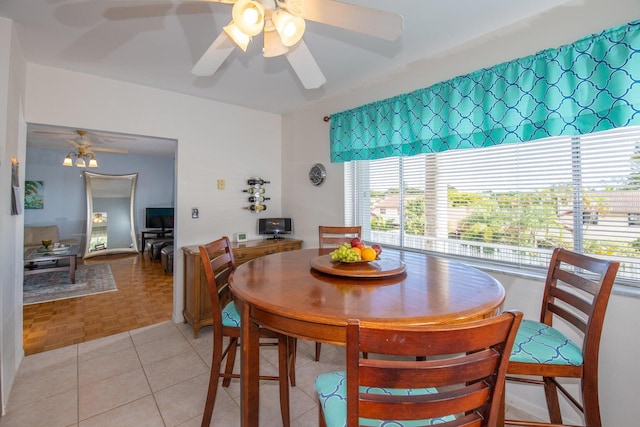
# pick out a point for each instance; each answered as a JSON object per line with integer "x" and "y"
{"x": 158, "y": 218}
{"x": 274, "y": 227}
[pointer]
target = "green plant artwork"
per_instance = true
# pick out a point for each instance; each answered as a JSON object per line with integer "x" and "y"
{"x": 33, "y": 195}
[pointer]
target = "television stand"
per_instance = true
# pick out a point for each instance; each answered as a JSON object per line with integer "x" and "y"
{"x": 157, "y": 233}
{"x": 276, "y": 237}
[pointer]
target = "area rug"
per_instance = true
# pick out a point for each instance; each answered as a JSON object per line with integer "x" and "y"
{"x": 90, "y": 279}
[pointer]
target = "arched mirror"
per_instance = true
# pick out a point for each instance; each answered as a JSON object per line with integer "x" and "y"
{"x": 110, "y": 208}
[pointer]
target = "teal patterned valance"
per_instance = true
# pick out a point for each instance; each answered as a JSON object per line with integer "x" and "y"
{"x": 588, "y": 86}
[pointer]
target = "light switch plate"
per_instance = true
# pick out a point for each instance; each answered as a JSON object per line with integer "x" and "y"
{"x": 221, "y": 184}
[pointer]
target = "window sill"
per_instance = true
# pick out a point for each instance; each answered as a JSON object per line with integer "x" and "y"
{"x": 618, "y": 288}
{"x": 621, "y": 288}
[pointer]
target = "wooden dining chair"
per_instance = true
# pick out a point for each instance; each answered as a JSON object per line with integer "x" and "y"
{"x": 330, "y": 236}
{"x": 460, "y": 383}
{"x": 219, "y": 264}
{"x": 577, "y": 290}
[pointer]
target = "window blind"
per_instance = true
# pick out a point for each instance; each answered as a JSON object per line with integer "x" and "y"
{"x": 508, "y": 204}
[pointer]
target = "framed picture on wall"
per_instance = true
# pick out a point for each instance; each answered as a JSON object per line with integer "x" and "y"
{"x": 34, "y": 194}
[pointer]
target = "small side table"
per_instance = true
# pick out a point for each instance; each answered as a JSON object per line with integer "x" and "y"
{"x": 153, "y": 234}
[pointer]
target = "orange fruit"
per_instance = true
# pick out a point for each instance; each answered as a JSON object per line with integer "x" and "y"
{"x": 368, "y": 254}
{"x": 357, "y": 250}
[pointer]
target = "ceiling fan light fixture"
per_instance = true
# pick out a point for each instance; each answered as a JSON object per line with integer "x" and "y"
{"x": 290, "y": 27}
{"x": 240, "y": 38}
{"x": 80, "y": 157}
{"x": 273, "y": 45}
{"x": 248, "y": 15}
{"x": 98, "y": 218}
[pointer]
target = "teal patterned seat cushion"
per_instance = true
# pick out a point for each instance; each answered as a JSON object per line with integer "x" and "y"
{"x": 540, "y": 343}
{"x": 332, "y": 392}
{"x": 230, "y": 315}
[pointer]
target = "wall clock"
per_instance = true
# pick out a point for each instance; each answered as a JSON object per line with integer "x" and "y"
{"x": 317, "y": 174}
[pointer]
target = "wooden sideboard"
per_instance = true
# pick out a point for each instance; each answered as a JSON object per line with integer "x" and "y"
{"x": 197, "y": 305}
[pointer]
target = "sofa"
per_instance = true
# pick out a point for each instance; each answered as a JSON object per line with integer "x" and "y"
{"x": 34, "y": 235}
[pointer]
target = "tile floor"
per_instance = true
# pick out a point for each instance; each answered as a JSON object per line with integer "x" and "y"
{"x": 151, "y": 377}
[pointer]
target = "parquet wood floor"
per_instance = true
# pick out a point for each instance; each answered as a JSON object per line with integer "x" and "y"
{"x": 144, "y": 297}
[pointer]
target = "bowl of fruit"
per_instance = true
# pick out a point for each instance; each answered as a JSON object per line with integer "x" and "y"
{"x": 356, "y": 251}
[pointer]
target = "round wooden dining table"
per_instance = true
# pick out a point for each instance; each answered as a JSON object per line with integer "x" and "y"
{"x": 283, "y": 292}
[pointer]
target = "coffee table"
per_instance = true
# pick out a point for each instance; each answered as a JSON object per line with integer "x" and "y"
{"x": 41, "y": 260}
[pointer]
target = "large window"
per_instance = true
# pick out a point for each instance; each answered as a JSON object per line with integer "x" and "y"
{"x": 508, "y": 204}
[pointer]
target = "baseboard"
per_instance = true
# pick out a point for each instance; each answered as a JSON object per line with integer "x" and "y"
{"x": 535, "y": 412}
{"x": 527, "y": 407}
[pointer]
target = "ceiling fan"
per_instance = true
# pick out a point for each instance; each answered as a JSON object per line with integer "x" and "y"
{"x": 83, "y": 143}
{"x": 282, "y": 23}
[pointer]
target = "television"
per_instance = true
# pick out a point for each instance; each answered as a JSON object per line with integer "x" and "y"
{"x": 274, "y": 227}
{"x": 158, "y": 218}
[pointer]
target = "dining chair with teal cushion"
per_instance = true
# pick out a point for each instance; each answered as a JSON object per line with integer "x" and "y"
{"x": 459, "y": 383}
{"x": 576, "y": 294}
{"x": 219, "y": 264}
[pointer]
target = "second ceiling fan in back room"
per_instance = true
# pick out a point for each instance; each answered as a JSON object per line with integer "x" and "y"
{"x": 85, "y": 148}
{"x": 282, "y": 23}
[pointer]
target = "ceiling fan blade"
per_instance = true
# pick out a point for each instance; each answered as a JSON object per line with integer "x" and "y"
{"x": 361, "y": 19}
{"x": 109, "y": 150}
{"x": 305, "y": 66}
{"x": 72, "y": 142}
{"x": 176, "y": 1}
{"x": 213, "y": 58}
{"x": 101, "y": 138}
{"x": 46, "y": 132}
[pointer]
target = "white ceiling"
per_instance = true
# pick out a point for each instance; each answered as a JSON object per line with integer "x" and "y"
{"x": 156, "y": 43}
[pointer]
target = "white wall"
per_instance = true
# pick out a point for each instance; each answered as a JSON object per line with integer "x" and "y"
{"x": 306, "y": 141}
{"x": 12, "y": 135}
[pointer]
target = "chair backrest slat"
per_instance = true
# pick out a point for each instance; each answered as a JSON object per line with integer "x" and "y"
{"x": 568, "y": 316}
{"x": 331, "y": 236}
{"x": 436, "y": 373}
{"x": 586, "y": 284}
{"x": 570, "y": 298}
{"x": 426, "y": 406}
{"x": 463, "y": 372}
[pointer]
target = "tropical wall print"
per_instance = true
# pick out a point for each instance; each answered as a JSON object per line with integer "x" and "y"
{"x": 34, "y": 195}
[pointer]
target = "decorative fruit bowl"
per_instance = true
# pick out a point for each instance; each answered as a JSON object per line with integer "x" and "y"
{"x": 386, "y": 267}
{"x": 361, "y": 261}
{"x": 356, "y": 251}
